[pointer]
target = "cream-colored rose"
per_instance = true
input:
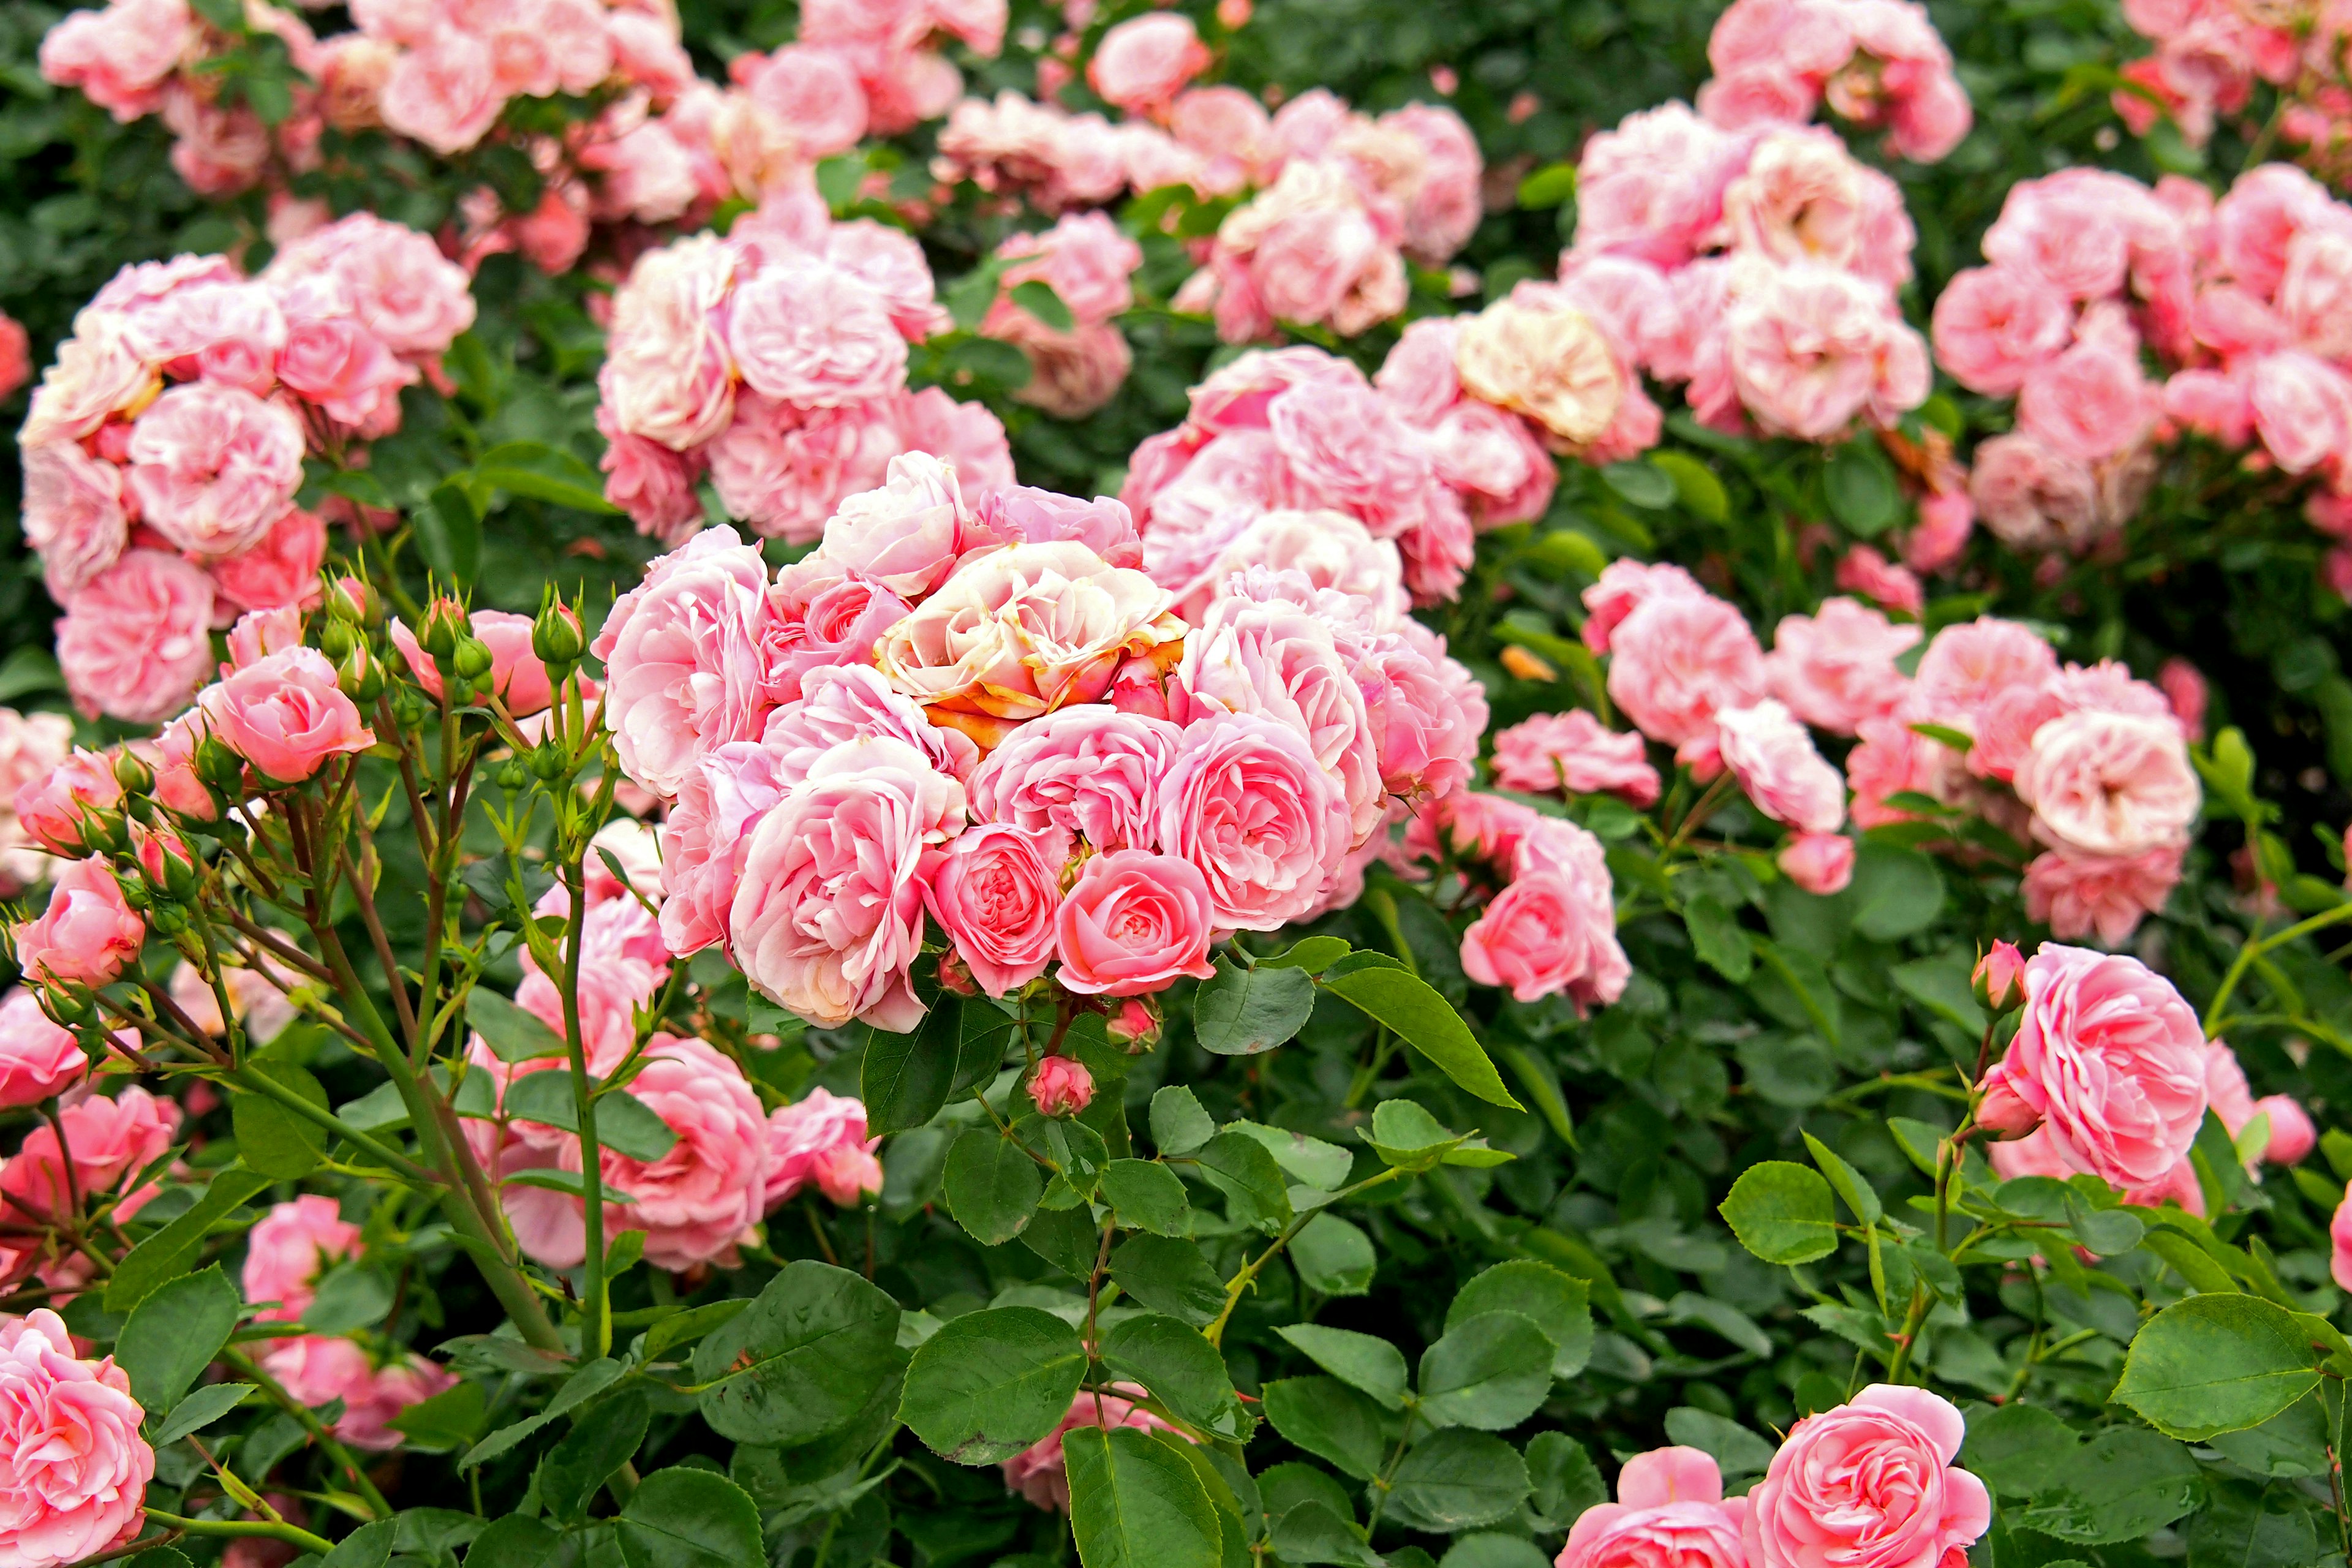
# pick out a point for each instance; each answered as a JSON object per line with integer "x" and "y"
{"x": 1545, "y": 359}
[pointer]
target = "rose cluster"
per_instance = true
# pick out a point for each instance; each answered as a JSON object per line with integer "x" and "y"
{"x": 1087, "y": 263}
{"x": 2210, "y": 54}
{"x": 989, "y": 717}
{"x": 2241, "y": 301}
{"x": 1878, "y": 64}
{"x": 773, "y": 361}
{"x": 165, "y": 445}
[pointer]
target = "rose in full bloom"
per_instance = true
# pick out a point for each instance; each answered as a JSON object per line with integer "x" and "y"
{"x": 1575, "y": 752}
{"x": 1836, "y": 668}
{"x": 1670, "y": 1513}
{"x": 86, "y": 935}
{"x": 1037, "y": 1471}
{"x": 1870, "y": 1484}
{"x": 38, "y": 1058}
{"x": 1680, "y": 660}
{"x": 293, "y": 1245}
{"x": 1090, "y": 769}
{"x": 2105, "y": 896}
{"x": 811, "y": 333}
{"x": 106, "y": 1143}
{"x": 213, "y": 467}
{"x": 136, "y": 641}
{"x": 1994, "y": 325}
{"x": 2111, "y": 1057}
{"x": 1545, "y": 359}
{"x": 1553, "y": 930}
{"x": 2109, "y": 783}
{"x": 284, "y": 716}
{"x": 828, "y": 916}
{"x": 1773, "y": 758}
{"x": 78, "y": 1468}
{"x": 1061, "y": 1086}
{"x": 1142, "y": 63}
{"x": 73, "y": 516}
{"x": 698, "y": 1201}
{"x": 820, "y": 1141}
{"x": 1132, "y": 923}
{"x": 994, "y": 888}
{"x": 1246, "y": 803}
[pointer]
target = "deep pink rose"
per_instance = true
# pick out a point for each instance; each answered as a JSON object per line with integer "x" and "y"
{"x": 993, "y": 888}
{"x": 1061, "y": 1086}
{"x": 86, "y": 935}
{"x": 1836, "y": 669}
{"x": 293, "y": 1245}
{"x": 2109, "y": 783}
{"x": 1245, "y": 801}
{"x": 1681, "y": 659}
{"x": 1870, "y": 1484}
{"x": 1670, "y": 1513}
{"x": 820, "y": 1141}
{"x": 284, "y": 716}
{"x": 2339, "y": 1236}
{"x": 1776, "y": 763}
{"x": 1574, "y": 753}
{"x": 1133, "y": 923}
{"x": 2112, "y": 1056}
{"x": 38, "y": 1058}
{"x": 282, "y": 571}
{"x": 78, "y": 1468}
{"x": 1820, "y": 863}
{"x": 1554, "y": 929}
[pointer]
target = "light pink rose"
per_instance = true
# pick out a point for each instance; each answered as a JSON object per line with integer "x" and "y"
{"x": 1653, "y": 187}
{"x": 285, "y": 1254}
{"x": 1493, "y": 457}
{"x": 97, "y": 373}
{"x": 1426, "y": 710}
{"x": 1142, "y": 63}
{"x": 334, "y": 360}
{"x": 2339, "y": 1236}
{"x": 907, "y": 534}
{"x": 696, "y": 1202}
{"x": 1776, "y": 765}
{"x": 516, "y": 675}
{"x": 317, "y": 1369}
{"x": 650, "y": 482}
{"x": 2109, "y": 783}
{"x": 281, "y": 572}
{"x": 1574, "y": 753}
{"x": 1087, "y": 259}
{"x": 120, "y": 56}
{"x": 1967, "y": 665}
{"x": 1679, "y": 660}
{"x": 1089, "y": 770}
{"x": 1245, "y": 801}
{"x": 80, "y": 1468}
{"x": 1625, "y": 584}
{"x": 1837, "y": 668}
{"x": 38, "y": 1058}
{"x": 1553, "y": 930}
{"x": 1024, "y": 515}
{"x": 1133, "y": 923}
{"x": 815, "y": 92}
{"x": 966, "y": 436}
{"x": 1332, "y": 549}
{"x": 668, "y": 375}
{"x": 1863, "y": 570}
{"x": 87, "y": 933}
{"x": 444, "y": 94}
{"x": 214, "y": 467}
{"x": 1810, "y": 348}
{"x": 2303, "y": 410}
{"x": 852, "y": 702}
{"x": 1802, "y": 198}
{"x": 2105, "y": 896}
{"x": 1038, "y": 1473}
{"x": 284, "y": 716}
{"x": 2108, "y": 1052}
{"x": 50, "y": 807}
{"x": 108, "y": 1142}
{"x": 1994, "y": 325}
{"x": 2034, "y": 498}
{"x": 2292, "y": 1135}
{"x": 820, "y": 1141}
{"x": 2072, "y": 229}
{"x": 73, "y": 515}
{"x": 1870, "y": 1484}
{"x": 1670, "y": 1513}
{"x": 809, "y": 333}
{"x": 31, "y": 744}
{"x": 1349, "y": 451}
{"x": 2088, "y": 403}
{"x": 993, "y": 888}
{"x": 1820, "y": 863}
{"x": 827, "y": 918}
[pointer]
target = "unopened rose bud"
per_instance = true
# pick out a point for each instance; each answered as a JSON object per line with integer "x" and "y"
{"x": 132, "y": 774}
{"x": 2001, "y": 1112}
{"x": 1135, "y": 1026}
{"x": 407, "y": 707}
{"x": 1999, "y": 980}
{"x": 955, "y": 975}
{"x": 549, "y": 763}
{"x": 105, "y": 829}
{"x": 167, "y": 865}
{"x": 358, "y": 674}
{"x": 444, "y": 624}
{"x": 512, "y": 776}
{"x": 336, "y": 639}
{"x": 1061, "y": 1087}
{"x": 219, "y": 767}
{"x": 348, "y": 598}
{"x": 65, "y": 1008}
{"x": 473, "y": 657}
{"x": 556, "y": 636}
{"x": 169, "y": 920}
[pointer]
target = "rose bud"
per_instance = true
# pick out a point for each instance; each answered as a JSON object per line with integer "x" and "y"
{"x": 336, "y": 639}
{"x": 473, "y": 657}
{"x": 2002, "y": 1111}
{"x": 132, "y": 774}
{"x": 1061, "y": 1087}
{"x": 444, "y": 624}
{"x": 358, "y": 675}
{"x": 219, "y": 767}
{"x": 1998, "y": 978}
{"x": 348, "y": 598}
{"x": 1135, "y": 1024}
{"x": 556, "y": 636}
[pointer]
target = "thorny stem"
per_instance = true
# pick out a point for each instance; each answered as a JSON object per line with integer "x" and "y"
{"x": 1239, "y": 1284}
{"x": 236, "y": 1526}
{"x": 245, "y": 1367}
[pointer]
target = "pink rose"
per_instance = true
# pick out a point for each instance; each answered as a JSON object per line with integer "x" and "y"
{"x": 444, "y": 94}
{"x": 1059, "y": 1085}
{"x": 1679, "y": 660}
{"x": 1999, "y": 978}
{"x": 1862, "y": 569}
{"x": 1774, "y": 760}
{"x": 1347, "y": 451}
{"x": 2303, "y": 410}
{"x": 1573, "y": 753}
{"x": 1133, "y": 923}
{"x": 86, "y": 935}
{"x": 1535, "y": 353}
{"x": 289, "y": 1248}
{"x": 1653, "y": 187}
{"x": 73, "y": 515}
{"x": 809, "y": 333}
{"x": 668, "y": 376}
{"x": 2339, "y": 1236}
{"x": 2072, "y": 229}
{"x": 2109, "y": 783}
{"x": 1870, "y": 1484}
{"x": 1812, "y": 347}
{"x": 650, "y": 482}
{"x": 214, "y": 467}
{"x": 1967, "y": 665}
{"x": 1670, "y": 1513}
{"x": 50, "y": 808}
{"x": 121, "y": 57}
{"x": 334, "y": 360}
{"x": 1087, "y": 259}
{"x": 815, "y": 92}
{"x": 1626, "y": 585}
{"x": 993, "y": 888}
{"x": 2185, "y": 691}
{"x": 2105, "y": 896}
{"x": 696, "y": 1202}
{"x": 107, "y": 1140}
{"x": 852, "y": 702}
{"x": 284, "y": 716}
{"x": 906, "y": 535}
{"x": 1426, "y": 710}
{"x": 38, "y": 1058}
{"x": 1245, "y": 801}
{"x": 97, "y": 373}
{"x": 516, "y": 675}
{"x": 282, "y": 571}
{"x": 1492, "y": 456}
{"x": 1820, "y": 863}
{"x": 317, "y": 1369}
{"x": 1994, "y": 325}
{"x": 2108, "y": 1052}
{"x": 2292, "y": 1135}
{"x": 2089, "y": 402}
{"x": 1089, "y": 770}
{"x": 820, "y": 1141}
{"x": 1330, "y": 548}
{"x": 1037, "y": 1472}
{"x": 1837, "y": 668}
{"x": 80, "y": 1468}
{"x": 1553, "y": 930}
{"x": 1144, "y": 62}
{"x": 828, "y": 916}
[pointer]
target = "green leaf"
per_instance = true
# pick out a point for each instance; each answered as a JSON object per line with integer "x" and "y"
{"x": 603, "y": 1438}
{"x": 1639, "y": 484}
{"x": 1783, "y": 1212}
{"x": 1068, "y": 1238}
{"x": 170, "y": 1251}
{"x": 2217, "y": 1363}
{"x": 690, "y": 1324}
{"x": 1312, "y": 954}
{"x": 544, "y": 473}
{"x": 200, "y": 1410}
{"x": 2018, "y": 1449}
{"x": 450, "y": 1420}
{"x": 981, "y": 1048}
{"x": 1169, "y": 1276}
{"x": 1312, "y": 1531}
{"x": 1147, "y": 1195}
{"x": 1552, "y": 186}
{"x": 1494, "y": 1551}
{"x": 1456, "y": 1479}
{"x": 1175, "y": 1362}
{"x": 801, "y": 1360}
{"x": 1701, "y": 493}
{"x": 1242, "y": 1012}
{"x": 688, "y": 1517}
{"x": 2241, "y": 1529}
{"x": 625, "y": 1124}
{"x": 1320, "y": 1165}
{"x": 1542, "y": 1084}
{"x": 1736, "y": 1449}
{"x": 1037, "y": 297}
{"x": 1860, "y": 1196}
{"x": 2121, "y": 1485}
{"x": 369, "y": 1546}
{"x": 351, "y": 1294}
{"x": 1363, "y": 1360}
{"x": 1412, "y": 1008}
{"x": 1940, "y": 984}
{"x": 1239, "y": 1166}
{"x": 1556, "y": 1302}
{"x": 905, "y": 1078}
{"x": 992, "y": 1185}
{"x": 1179, "y": 1125}
{"x": 513, "y": 1541}
{"x": 513, "y": 1035}
{"x": 449, "y": 533}
{"x": 990, "y": 1383}
{"x": 1333, "y": 1255}
{"x": 171, "y": 1336}
{"x": 839, "y": 178}
{"x": 270, "y": 1139}
{"x": 578, "y": 1389}
{"x": 1135, "y": 1503}
{"x": 1565, "y": 1479}
{"x": 1861, "y": 488}
{"x": 1491, "y": 1370}
{"x": 1896, "y": 892}
{"x": 1716, "y": 936}
{"x": 1329, "y": 1420}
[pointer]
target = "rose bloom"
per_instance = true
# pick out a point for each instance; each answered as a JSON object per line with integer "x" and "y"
{"x": 1132, "y": 923}
{"x": 2109, "y": 783}
{"x": 993, "y": 888}
{"x": 1967, "y": 666}
{"x": 907, "y": 534}
{"x": 444, "y": 94}
{"x": 1773, "y": 758}
{"x": 852, "y": 702}
{"x": 77, "y": 1467}
{"x": 107, "y": 1140}
{"x": 1870, "y": 1484}
{"x": 1142, "y": 63}
{"x": 38, "y": 1058}
{"x": 1836, "y": 669}
{"x": 73, "y": 515}
{"x": 1089, "y": 770}
{"x": 1427, "y": 711}
{"x": 2089, "y": 402}
{"x": 293, "y": 1245}
{"x": 86, "y": 935}
{"x": 820, "y": 1141}
{"x": 1245, "y": 801}
{"x": 1575, "y": 753}
{"x": 1862, "y": 569}
{"x": 811, "y": 333}
{"x": 2105, "y": 896}
{"x": 282, "y": 571}
{"x": 50, "y": 808}
{"x": 318, "y": 1369}
{"x": 1544, "y": 358}
{"x": 31, "y": 745}
{"x": 1678, "y": 661}
{"x": 828, "y": 916}
{"x": 284, "y": 716}
{"x": 1347, "y": 451}
{"x": 1624, "y": 586}
{"x": 2292, "y": 1135}
{"x": 1821, "y": 863}
{"x": 1037, "y": 1471}
{"x": 1993, "y": 325}
{"x": 1554, "y": 929}
{"x": 2112, "y": 1059}
{"x": 2339, "y": 1237}
{"x": 213, "y": 467}
{"x": 1812, "y": 347}
{"x": 696, "y": 1202}
{"x": 136, "y": 641}
{"x": 1332, "y": 549}
{"x": 667, "y": 374}
{"x": 516, "y": 674}
{"x": 1061, "y": 1086}
{"x": 1670, "y": 1513}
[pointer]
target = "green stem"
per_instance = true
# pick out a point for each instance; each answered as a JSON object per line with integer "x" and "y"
{"x": 596, "y": 1326}
{"x": 245, "y": 1367}
{"x": 1240, "y": 1283}
{"x": 2255, "y": 947}
{"x": 236, "y": 1527}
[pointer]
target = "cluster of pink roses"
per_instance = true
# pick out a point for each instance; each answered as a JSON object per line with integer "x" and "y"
{"x": 2211, "y": 53}
{"x": 165, "y": 445}
{"x": 31, "y": 745}
{"x": 1878, "y": 64}
{"x": 1870, "y": 1484}
{"x": 774, "y": 360}
{"x": 1087, "y": 262}
{"x": 2241, "y": 300}
{"x": 108, "y": 1142}
{"x": 992, "y": 717}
